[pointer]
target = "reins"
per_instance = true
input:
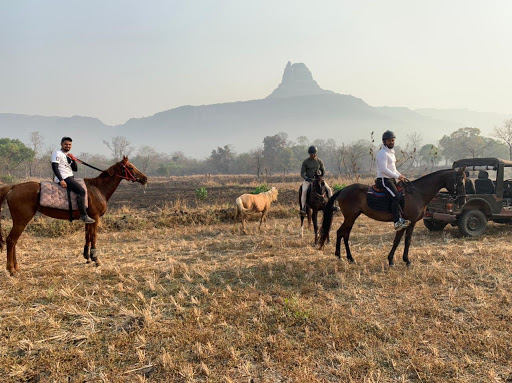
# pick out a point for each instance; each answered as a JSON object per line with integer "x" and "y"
{"x": 130, "y": 176}
{"x": 83, "y": 163}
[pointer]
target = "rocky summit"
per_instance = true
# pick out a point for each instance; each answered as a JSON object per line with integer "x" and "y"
{"x": 297, "y": 81}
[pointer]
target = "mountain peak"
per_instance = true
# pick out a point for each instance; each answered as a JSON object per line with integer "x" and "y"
{"x": 297, "y": 81}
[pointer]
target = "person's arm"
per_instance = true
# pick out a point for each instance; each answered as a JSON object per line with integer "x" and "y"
{"x": 73, "y": 164}
{"x": 322, "y": 168}
{"x": 303, "y": 171}
{"x": 56, "y": 171}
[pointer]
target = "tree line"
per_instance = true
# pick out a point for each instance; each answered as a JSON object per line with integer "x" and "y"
{"x": 278, "y": 154}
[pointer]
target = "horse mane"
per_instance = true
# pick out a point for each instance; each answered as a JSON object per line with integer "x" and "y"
{"x": 433, "y": 174}
{"x": 96, "y": 181}
{"x": 270, "y": 193}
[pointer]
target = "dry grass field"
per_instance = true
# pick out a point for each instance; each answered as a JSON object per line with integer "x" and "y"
{"x": 179, "y": 297}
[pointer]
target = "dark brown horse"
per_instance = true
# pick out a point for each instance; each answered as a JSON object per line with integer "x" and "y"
{"x": 352, "y": 200}
{"x": 315, "y": 201}
{"x": 23, "y": 202}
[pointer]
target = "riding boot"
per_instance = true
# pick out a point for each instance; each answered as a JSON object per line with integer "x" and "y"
{"x": 83, "y": 213}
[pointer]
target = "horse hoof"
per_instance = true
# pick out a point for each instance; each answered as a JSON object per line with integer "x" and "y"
{"x": 391, "y": 265}
{"x": 408, "y": 263}
{"x": 351, "y": 261}
{"x": 87, "y": 261}
{"x": 97, "y": 263}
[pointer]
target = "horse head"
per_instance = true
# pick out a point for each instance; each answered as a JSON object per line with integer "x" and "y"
{"x": 456, "y": 184}
{"x": 274, "y": 193}
{"x": 318, "y": 188}
{"x": 126, "y": 170}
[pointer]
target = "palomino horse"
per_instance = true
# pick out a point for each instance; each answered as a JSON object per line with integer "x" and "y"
{"x": 315, "y": 201}
{"x": 254, "y": 203}
{"x": 352, "y": 200}
{"x": 23, "y": 202}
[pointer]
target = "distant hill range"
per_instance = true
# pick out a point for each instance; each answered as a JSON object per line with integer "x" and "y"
{"x": 298, "y": 106}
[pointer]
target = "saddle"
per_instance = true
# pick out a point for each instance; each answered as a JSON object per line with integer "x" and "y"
{"x": 378, "y": 200}
{"x": 55, "y": 196}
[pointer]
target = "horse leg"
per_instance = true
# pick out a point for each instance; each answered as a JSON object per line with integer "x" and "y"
{"x": 396, "y": 242}
{"x": 244, "y": 229}
{"x": 408, "y": 238}
{"x": 344, "y": 232}
{"x": 88, "y": 239}
{"x": 301, "y": 226}
{"x": 12, "y": 240}
{"x": 314, "y": 216}
{"x": 263, "y": 218}
{"x": 93, "y": 235}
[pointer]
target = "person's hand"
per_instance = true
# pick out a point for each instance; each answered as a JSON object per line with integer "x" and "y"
{"x": 401, "y": 177}
{"x": 71, "y": 156}
{"x": 63, "y": 184}
{"x": 309, "y": 179}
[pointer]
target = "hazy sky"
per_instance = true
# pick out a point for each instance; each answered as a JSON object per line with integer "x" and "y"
{"x": 120, "y": 59}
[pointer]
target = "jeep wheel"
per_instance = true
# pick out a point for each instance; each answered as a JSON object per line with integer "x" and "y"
{"x": 434, "y": 225}
{"x": 472, "y": 223}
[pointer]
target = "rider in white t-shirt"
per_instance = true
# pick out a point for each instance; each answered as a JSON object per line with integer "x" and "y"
{"x": 63, "y": 166}
{"x": 387, "y": 176}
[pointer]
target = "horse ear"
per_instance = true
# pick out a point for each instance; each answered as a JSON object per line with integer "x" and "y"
{"x": 125, "y": 159}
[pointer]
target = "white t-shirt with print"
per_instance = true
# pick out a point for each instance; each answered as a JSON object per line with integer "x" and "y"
{"x": 65, "y": 170}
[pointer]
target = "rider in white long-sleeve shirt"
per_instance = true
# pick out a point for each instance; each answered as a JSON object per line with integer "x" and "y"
{"x": 387, "y": 174}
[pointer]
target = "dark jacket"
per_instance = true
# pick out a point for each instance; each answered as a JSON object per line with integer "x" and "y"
{"x": 310, "y": 167}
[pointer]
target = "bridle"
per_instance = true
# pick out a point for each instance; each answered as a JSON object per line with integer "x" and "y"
{"x": 126, "y": 174}
{"x": 319, "y": 183}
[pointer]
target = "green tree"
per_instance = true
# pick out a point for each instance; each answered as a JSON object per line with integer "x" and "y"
{"x": 463, "y": 143}
{"x": 428, "y": 155}
{"x": 13, "y": 153}
{"x": 272, "y": 148}
{"x": 221, "y": 159}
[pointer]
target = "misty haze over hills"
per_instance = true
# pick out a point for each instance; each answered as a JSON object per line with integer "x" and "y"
{"x": 298, "y": 106}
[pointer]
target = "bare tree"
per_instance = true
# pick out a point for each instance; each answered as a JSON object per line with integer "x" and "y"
{"x": 504, "y": 133}
{"x": 257, "y": 154}
{"x": 146, "y": 156}
{"x": 119, "y": 146}
{"x": 36, "y": 144}
{"x": 413, "y": 146}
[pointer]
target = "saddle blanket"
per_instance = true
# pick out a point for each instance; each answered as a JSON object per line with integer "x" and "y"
{"x": 55, "y": 196}
{"x": 378, "y": 200}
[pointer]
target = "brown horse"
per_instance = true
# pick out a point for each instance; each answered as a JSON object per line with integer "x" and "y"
{"x": 23, "y": 202}
{"x": 316, "y": 200}
{"x": 352, "y": 200}
{"x": 254, "y": 203}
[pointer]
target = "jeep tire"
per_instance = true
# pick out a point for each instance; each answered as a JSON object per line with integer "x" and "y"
{"x": 472, "y": 223}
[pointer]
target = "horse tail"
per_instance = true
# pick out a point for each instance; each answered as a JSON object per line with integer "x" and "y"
{"x": 3, "y": 193}
{"x": 239, "y": 207}
{"x": 327, "y": 219}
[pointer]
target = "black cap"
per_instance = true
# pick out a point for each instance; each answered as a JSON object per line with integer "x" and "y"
{"x": 312, "y": 149}
{"x": 66, "y": 139}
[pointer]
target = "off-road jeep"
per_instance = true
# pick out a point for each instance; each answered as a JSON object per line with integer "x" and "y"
{"x": 488, "y": 197}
